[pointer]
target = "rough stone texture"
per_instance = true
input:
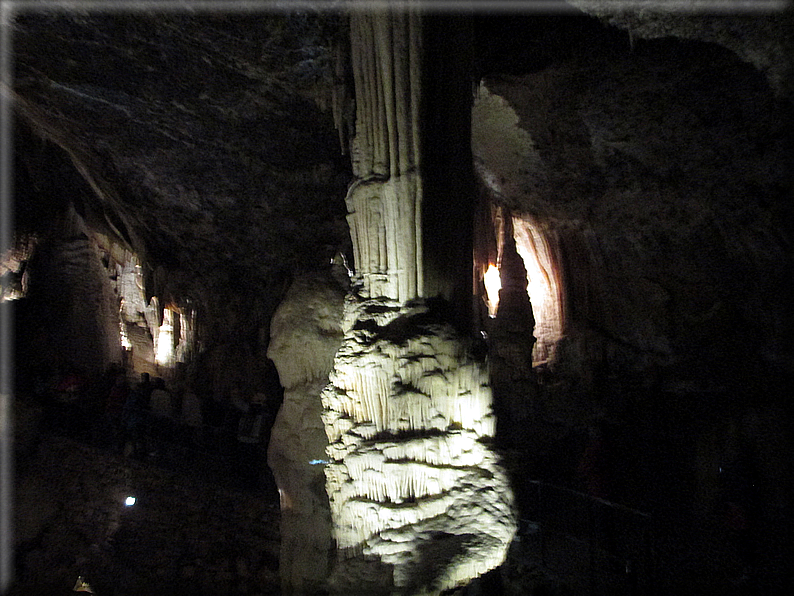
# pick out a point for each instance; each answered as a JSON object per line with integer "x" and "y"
{"x": 71, "y": 285}
{"x": 656, "y": 171}
{"x": 657, "y": 176}
{"x": 206, "y": 178}
{"x": 306, "y": 332}
{"x": 689, "y": 166}
{"x": 761, "y": 36}
{"x": 419, "y": 501}
{"x": 222, "y": 183}
{"x": 413, "y": 511}
{"x": 201, "y": 143}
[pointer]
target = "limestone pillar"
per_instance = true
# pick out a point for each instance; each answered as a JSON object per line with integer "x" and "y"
{"x": 411, "y": 208}
{"x": 419, "y": 502}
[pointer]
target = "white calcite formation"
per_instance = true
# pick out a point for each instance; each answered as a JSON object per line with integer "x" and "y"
{"x": 419, "y": 502}
{"x": 383, "y": 216}
{"x": 305, "y": 332}
{"x": 384, "y": 205}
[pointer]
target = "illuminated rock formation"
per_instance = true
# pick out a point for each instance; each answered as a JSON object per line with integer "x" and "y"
{"x": 384, "y": 204}
{"x": 535, "y": 244}
{"x": 505, "y": 158}
{"x": 382, "y": 218}
{"x": 305, "y": 333}
{"x": 411, "y": 155}
{"x": 418, "y": 500}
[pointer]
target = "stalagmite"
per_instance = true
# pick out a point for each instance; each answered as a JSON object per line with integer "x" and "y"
{"x": 419, "y": 502}
{"x": 412, "y": 483}
{"x": 305, "y": 333}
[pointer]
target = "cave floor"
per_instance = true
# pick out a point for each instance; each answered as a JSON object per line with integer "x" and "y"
{"x": 197, "y": 525}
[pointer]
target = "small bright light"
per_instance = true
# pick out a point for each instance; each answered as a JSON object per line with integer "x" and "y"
{"x": 493, "y": 283}
{"x": 129, "y": 501}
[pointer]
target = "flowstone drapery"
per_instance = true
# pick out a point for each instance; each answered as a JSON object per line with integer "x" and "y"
{"x": 418, "y": 500}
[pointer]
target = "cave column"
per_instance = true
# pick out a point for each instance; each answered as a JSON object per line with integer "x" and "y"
{"x": 412, "y": 157}
{"x": 419, "y": 503}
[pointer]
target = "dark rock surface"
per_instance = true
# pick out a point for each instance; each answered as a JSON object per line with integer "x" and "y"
{"x": 664, "y": 175}
{"x": 205, "y": 143}
{"x": 190, "y": 531}
{"x": 200, "y": 135}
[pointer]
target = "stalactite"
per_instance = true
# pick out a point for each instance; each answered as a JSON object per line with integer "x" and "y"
{"x": 383, "y": 39}
{"x": 415, "y": 77}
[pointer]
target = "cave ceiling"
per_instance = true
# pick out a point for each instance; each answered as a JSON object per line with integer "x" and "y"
{"x": 205, "y": 142}
{"x": 201, "y": 140}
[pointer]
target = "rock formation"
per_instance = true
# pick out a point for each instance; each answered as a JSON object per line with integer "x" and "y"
{"x": 418, "y": 499}
{"x": 641, "y": 155}
{"x": 306, "y": 332}
{"x": 384, "y": 204}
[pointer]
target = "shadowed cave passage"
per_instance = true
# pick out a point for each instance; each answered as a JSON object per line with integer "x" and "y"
{"x": 183, "y": 208}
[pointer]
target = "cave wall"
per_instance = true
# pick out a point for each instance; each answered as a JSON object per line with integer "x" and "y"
{"x": 73, "y": 313}
{"x": 658, "y": 178}
{"x": 660, "y": 181}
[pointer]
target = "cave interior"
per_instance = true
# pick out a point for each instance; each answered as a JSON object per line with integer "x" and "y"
{"x": 603, "y": 203}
